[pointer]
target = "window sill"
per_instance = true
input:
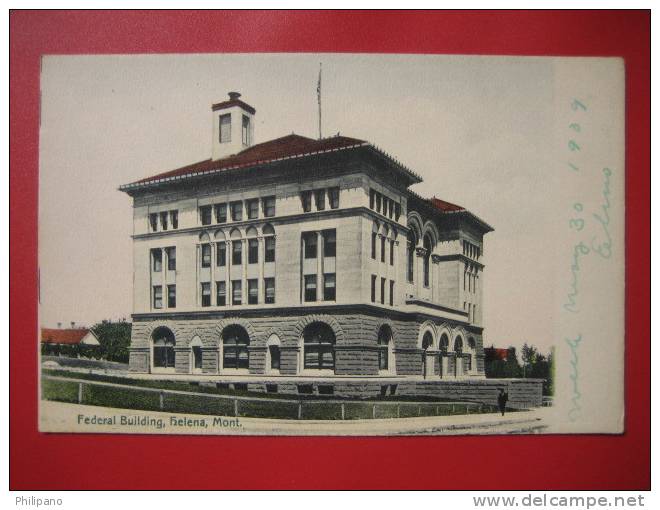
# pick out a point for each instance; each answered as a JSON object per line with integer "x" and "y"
{"x": 156, "y": 370}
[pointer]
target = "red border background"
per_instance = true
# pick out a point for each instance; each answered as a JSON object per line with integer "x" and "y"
{"x": 41, "y": 461}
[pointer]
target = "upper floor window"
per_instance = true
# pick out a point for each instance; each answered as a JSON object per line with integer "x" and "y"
{"x": 410, "y": 252}
{"x": 397, "y": 211}
{"x": 206, "y": 293}
{"x": 236, "y": 292}
{"x": 221, "y": 254}
{"x": 306, "y": 199}
{"x": 330, "y": 243}
{"x": 246, "y": 130}
{"x": 237, "y": 252}
{"x": 373, "y": 288}
{"x": 310, "y": 287}
{"x": 269, "y": 290}
{"x": 253, "y": 251}
{"x": 269, "y": 249}
{"x": 225, "y": 128}
{"x": 374, "y": 236}
{"x": 379, "y": 199}
{"x": 310, "y": 244}
{"x": 391, "y": 252}
{"x": 171, "y": 296}
{"x": 319, "y": 198}
{"x": 205, "y": 214}
{"x": 428, "y": 247}
{"x": 163, "y": 220}
{"x": 221, "y": 293}
{"x": 253, "y": 291}
{"x": 382, "y": 248}
{"x": 252, "y": 207}
{"x": 333, "y": 197}
{"x": 268, "y": 206}
{"x": 174, "y": 216}
{"x": 171, "y": 258}
{"x": 391, "y": 292}
{"x": 158, "y": 296}
{"x": 372, "y": 198}
{"x": 329, "y": 287}
{"x": 206, "y": 255}
{"x": 220, "y": 213}
{"x": 157, "y": 259}
{"x": 237, "y": 211}
{"x": 153, "y": 221}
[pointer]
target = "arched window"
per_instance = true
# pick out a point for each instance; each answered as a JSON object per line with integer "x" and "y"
{"x": 319, "y": 346}
{"x": 444, "y": 343}
{"x": 235, "y": 341}
{"x": 163, "y": 348}
{"x": 253, "y": 245}
{"x": 427, "y": 343}
{"x": 269, "y": 243}
{"x": 236, "y": 247}
{"x": 384, "y": 347}
{"x": 196, "y": 355}
{"x": 411, "y": 244}
{"x": 428, "y": 247}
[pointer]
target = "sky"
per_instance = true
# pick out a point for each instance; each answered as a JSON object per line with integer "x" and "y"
{"x": 479, "y": 131}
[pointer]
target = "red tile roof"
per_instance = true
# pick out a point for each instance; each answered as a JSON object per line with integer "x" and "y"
{"x": 285, "y": 147}
{"x": 495, "y": 353}
{"x": 445, "y": 206}
{"x": 63, "y": 336}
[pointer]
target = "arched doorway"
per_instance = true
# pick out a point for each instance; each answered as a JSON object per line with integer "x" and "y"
{"x": 427, "y": 360}
{"x": 319, "y": 347}
{"x": 162, "y": 350}
{"x": 235, "y": 342}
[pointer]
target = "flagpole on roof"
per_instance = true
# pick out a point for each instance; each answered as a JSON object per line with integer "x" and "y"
{"x": 318, "y": 94}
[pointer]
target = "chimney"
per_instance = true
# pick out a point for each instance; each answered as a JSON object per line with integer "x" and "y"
{"x": 233, "y": 126}
{"x": 73, "y": 325}
{"x": 59, "y": 325}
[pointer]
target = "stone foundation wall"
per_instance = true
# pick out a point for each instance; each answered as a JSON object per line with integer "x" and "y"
{"x": 356, "y": 349}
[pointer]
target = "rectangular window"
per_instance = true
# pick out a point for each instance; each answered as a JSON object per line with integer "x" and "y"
{"x": 252, "y": 207}
{"x": 253, "y": 292}
{"x": 382, "y": 248}
{"x": 246, "y": 130}
{"x": 163, "y": 220}
{"x": 319, "y": 198}
{"x": 379, "y": 199}
{"x": 269, "y": 290}
{"x": 237, "y": 252}
{"x": 157, "y": 259}
{"x": 333, "y": 197}
{"x": 153, "y": 221}
{"x": 306, "y": 200}
{"x": 171, "y": 258}
{"x": 329, "y": 287}
{"x": 236, "y": 292}
{"x": 221, "y": 254}
{"x": 373, "y": 288}
{"x": 391, "y": 252}
{"x": 174, "y": 218}
{"x": 225, "y": 128}
{"x": 391, "y": 293}
{"x": 268, "y": 204}
{"x": 158, "y": 296}
{"x": 253, "y": 251}
{"x": 236, "y": 211}
{"x": 310, "y": 287}
{"x": 206, "y": 293}
{"x": 171, "y": 296}
{"x": 397, "y": 211}
{"x": 221, "y": 293}
{"x": 382, "y": 291}
{"x": 372, "y": 199}
{"x": 330, "y": 243}
{"x": 205, "y": 214}
{"x": 206, "y": 255}
{"x": 310, "y": 241}
{"x": 220, "y": 213}
{"x": 269, "y": 249}
{"x": 373, "y": 245}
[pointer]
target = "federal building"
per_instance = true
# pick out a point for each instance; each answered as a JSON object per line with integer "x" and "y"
{"x": 306, "y": 266}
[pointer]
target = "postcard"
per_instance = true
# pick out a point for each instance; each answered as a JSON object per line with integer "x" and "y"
{"x": 331, "y": 244}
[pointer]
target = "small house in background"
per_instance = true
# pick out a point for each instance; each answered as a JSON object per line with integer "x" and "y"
{"x": 74, "y": 336}
{"x": 497, "y": 354}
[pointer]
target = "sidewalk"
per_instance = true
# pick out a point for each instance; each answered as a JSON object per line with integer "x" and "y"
{"x": 63, "y": 417}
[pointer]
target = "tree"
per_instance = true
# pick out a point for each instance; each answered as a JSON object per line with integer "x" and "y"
{"x": 114, "y": 337}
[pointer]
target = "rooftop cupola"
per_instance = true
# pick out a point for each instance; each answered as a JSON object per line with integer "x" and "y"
{"x": 233, "y": 126}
